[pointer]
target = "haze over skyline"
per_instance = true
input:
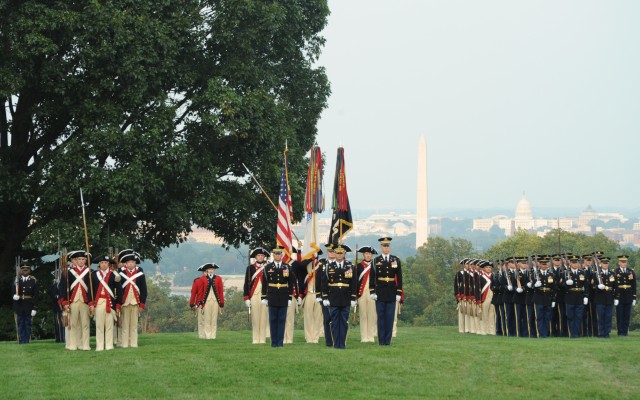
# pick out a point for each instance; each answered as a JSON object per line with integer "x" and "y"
{"x": 541, "y": 97}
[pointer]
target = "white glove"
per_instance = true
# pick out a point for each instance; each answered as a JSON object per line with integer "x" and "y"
{"x": 538, "y": 284}
{"x": 353, "y": 303}
{"x": 16, "y": 297}
{"x": 319, "y": 299}
{"x": 397, "y": 298}
{"x": 288, "y": 303}
{"x": 616, "y": 302}
{"x": 633, "y": 303}
{"x": 519, "y": 290}
{"x": 325, "y": 303}
{"x": 264, "y": 301}
{"x": 33, "y": 313}
{"x": 247, "y": 303}
{"x": 569, "y": 282}
{"x": 553, "y": 304}
{"x": 529, "y": 285}
{"x": 299, "y": 301}
{"x": 373, "y": 296}
{"x": 601, "y": 286}
{"x": 586, "y": 301}
{"x": 510, "y": 288}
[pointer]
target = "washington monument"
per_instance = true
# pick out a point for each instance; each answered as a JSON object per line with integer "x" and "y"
{"x": 422, "y": 218}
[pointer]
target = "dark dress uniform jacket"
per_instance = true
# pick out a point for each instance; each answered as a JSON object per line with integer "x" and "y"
{"x": 278, "y": 284}
{"x": 606, "y": 295}
{"x": 545, "y": 294}
{"x": 626, "y": 292}
{"x": 382, "y": 280}
{"x": 496, "y": 287}
{"x": 28, "y": 292}
{"x": 339, "y": 284}
{"x": 68, "y": 279}
{"x": 115, "y": 287}
{"x": 575, "y": 294}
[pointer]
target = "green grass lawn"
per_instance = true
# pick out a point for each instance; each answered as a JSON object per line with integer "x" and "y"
{"x": 433, "y": 362}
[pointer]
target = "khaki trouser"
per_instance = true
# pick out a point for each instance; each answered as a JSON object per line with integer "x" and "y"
{"x": 394, "y": 331}
{"x": 79, "y": 321}
{"x": 259, "y": 317}
{"x": 211, "y": 308}
{"x": 476, "y": 319}
{"x": 488, "y": 318}
{"x": 289, "y": 325}
{"x": 469, "y": 326}
{"x": 368, "y": 317}
{"x": 312, "y": 318}
{"x": 200, "y": 316}
{"x": 129, "y": 315}
{"x": 104, "y": 326}
{"x": 461, "y": 317}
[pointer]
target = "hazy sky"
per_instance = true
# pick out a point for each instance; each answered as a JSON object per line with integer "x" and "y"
{"x": 511, "y": 96}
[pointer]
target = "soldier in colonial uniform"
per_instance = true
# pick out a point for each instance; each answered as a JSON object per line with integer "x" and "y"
{"x": 576, "y": 296}
{"x": 196, "y": 299}
{"x": 626, "y": 295}
{"x": 488, "y": 315}
{"x": 544, "y": 292}
{"x": 338, "y": 293}
{"x": 277, "y": 294}
{"x": 603, "y": 287}
{"x": 253, "y": 284}
{"x": 25, "y": 303}
{"x": 322, "y": 270}
{"x": 134, "y": 298}
{"x": 458, "y": 291}
{"x": 105, "y": 292}
{"x": 75, "y": 297}
{"x": 212, "y": 299}
{"x": 367, "y": 307}
{"x": 385, "y": 289}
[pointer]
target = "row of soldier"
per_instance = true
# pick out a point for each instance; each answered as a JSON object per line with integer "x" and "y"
{"x": 559, "y": 295}
{"x": 325, "y": 289}
{"x": 114, "y": 294}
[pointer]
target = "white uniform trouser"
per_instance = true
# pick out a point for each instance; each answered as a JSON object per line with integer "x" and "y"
{"x": 312, "y": 318}
{"x": 488, "y": 317}
{"x": 368, "y": 317}
{"x": 79, "y": 321}
{"x": 289, "y": 325}
{"x": 129, "y": 315}
{"x": 259, "y": 317}
{"x": 104, "y": 326}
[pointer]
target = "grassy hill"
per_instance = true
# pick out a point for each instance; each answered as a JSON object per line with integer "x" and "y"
{"x": 435, "y": 362}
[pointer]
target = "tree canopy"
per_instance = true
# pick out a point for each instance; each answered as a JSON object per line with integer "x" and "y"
{"x": 152, "y": 107}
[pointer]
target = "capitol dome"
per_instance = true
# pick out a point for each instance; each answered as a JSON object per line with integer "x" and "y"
{"x": 524, "y": 214}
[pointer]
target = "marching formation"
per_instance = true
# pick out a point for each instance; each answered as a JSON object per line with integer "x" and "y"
{"x": 561, "y": 295}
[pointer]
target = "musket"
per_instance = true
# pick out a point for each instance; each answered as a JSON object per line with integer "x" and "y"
{"x": 86, "y": 242}
{"x": 596, "y": 263}
{"x": 355, "y": 308}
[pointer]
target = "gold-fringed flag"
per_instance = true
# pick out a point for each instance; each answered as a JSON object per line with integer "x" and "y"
{"x": 341, "y": 220}
{"x": 313, "y": 203}
{"x": 283, "y": 231}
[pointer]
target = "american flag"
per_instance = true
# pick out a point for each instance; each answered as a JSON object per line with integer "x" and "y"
{"x": 283, "y": 233}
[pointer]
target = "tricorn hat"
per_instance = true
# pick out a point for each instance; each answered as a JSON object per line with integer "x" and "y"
{"x": 259, "y": 250}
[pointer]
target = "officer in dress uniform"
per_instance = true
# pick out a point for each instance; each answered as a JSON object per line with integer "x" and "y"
{"x": 25, "y": 301}
{"x": 339, "y": 287}
{"x": 385, "y": 289}
{"x": 544, "y": 292}
{"x": 54, "y": 295}
{"x": 196, "y": 300}
{"x": 306, "y": 271}
{"x": 559, "y": 326}
{"x": 603, "y": 287}
{"x": 366, "y": 306}
{"x": 497, "y": 302}
{"x": 576, "y": 296}
{"x": 75, "y": 297}
{"x": 519, "y": 298}
{"x": 212, "y": 299}
{"x": 277, "y": 294}
{"x": 292, "y": 308}
{"x": 626, "y": 295}
{"x": 528, "y": 281}
{"x": 322, "y": 270}
{"x": 590, "y": 319}
{"x": 507, "y": 281}
{"x": 134, "y": 298}
{"x": 252, "y": 291}
{"x": 105, "y": 292}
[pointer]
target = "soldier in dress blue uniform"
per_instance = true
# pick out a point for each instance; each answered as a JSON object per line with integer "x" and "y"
{"x": 519, "y": 297}
{"x": 544, "y": 292}
{"x": 385, "y": 285}
{"x": 277, "y": 293}
{"x": 339, "y": 288}
{"x": 25, "y": 302}
{"x": 625, "y": 295}
{"x": 326, "y": 316}
{"x": 497, "y": 302}
{"x": 576, "y": 295}
{"x": 603, "y": 287}
{"x": 508, "y": 280}
{"x": 559, "y": 326}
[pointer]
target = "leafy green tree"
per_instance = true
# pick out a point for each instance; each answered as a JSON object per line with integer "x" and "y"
{"x": 152, "y": 108}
